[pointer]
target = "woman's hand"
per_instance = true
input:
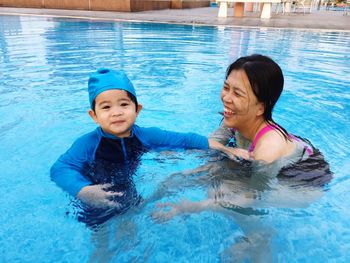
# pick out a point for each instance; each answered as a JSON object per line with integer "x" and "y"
{"x": 238, "y": 153}
{"x": 166, "y": 212}
{"x": 216, "y": 145}
{"x": 170, "y": 210}
{"x": 233, "y": 153}
{"x": 97, "y": 196}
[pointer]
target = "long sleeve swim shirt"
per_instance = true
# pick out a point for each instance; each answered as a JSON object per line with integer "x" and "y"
{"x": 99, "y": 157}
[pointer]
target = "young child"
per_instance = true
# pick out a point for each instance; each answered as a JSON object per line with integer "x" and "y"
{"x": 98, "y": 167}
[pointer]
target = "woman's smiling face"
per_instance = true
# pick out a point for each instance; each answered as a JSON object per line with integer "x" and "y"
{"x": 240, "y": 104}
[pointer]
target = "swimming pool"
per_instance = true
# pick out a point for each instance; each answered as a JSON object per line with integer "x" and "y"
{"x": 178, "y": 71}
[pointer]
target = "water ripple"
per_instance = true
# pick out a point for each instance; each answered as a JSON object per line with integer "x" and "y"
{"x": 178, "y": 73}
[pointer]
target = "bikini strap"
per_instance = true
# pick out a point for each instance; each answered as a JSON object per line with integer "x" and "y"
{"x": 307, "y": 147}
{"x": 259, "y": 135}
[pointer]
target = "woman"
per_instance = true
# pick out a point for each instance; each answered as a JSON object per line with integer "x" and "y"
{"x": 252, "y": 87}
{"x": 250, "y": 91}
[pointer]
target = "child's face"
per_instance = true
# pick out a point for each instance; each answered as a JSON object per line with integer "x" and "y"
{"x": 115, "y": 112}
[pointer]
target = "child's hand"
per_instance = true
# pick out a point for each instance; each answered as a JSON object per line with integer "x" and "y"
{"x": 97, "y": 196}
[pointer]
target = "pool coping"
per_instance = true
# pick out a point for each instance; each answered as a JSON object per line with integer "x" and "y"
{"x": 200, "y": 17}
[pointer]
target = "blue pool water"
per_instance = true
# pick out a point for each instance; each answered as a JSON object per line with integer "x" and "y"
{"x": 178, "y": 72}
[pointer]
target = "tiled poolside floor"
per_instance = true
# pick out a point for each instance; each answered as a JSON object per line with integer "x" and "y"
{"x": 325, "y": 20}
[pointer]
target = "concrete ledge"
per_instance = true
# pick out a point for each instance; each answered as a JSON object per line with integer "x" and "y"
{"x": 327, "y": 21}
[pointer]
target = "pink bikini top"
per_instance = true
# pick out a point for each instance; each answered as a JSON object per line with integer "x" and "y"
{"x": 268, "y": 128}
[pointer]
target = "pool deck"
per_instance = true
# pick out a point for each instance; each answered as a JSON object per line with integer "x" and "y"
{"x": 318, "y": 20}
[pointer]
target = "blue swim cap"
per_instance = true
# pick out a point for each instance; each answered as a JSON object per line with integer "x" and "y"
{"x": 105, "y": 79}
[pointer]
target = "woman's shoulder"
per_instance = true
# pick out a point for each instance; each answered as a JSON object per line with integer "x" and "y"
{"x": 272, "y": 146}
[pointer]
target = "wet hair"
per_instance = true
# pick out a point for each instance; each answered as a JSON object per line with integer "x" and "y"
{"x": 266, "y": 79}
{"x": 130, "y": 96}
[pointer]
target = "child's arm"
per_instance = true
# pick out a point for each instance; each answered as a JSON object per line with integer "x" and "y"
{"x": 158, "y": 138}
{"x": 67, "y": 173}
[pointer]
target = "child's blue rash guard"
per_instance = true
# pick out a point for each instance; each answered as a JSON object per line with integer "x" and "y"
{"x": 99, "y": 157}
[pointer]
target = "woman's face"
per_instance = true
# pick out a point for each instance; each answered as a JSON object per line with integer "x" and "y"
{"x": 241, "y": 106}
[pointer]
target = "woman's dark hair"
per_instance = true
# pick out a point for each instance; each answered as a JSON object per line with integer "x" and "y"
{"x": 266, "y": 79}
{"x": 131, "y": 97}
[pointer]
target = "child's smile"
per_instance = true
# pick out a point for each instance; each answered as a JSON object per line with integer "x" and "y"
{"x": 115, "y": 112}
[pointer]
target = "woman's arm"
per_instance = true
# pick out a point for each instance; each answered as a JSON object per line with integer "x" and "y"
{"x": 222, "y": 135}
{"x": 184, "y": 207}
